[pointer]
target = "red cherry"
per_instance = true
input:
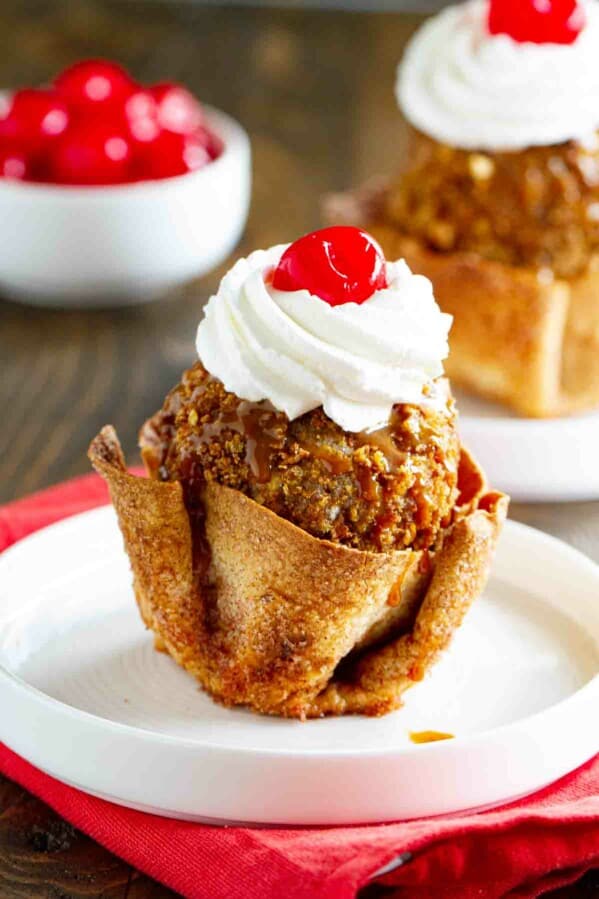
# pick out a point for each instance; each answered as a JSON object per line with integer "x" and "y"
{"x": 143, "y": 130}
{"x": 33, "y": 117}
{"x": 14, "y": 164}
{"x": 339, "y": 265}
{"x": 537, "y": 21}
{"x": 140, "y": 105}
{"x": 141, "y": 117}
{"x": 171, "y": 154}
{"x": 210, "y": 140}
{"x": 91, "y": 153}
{"x": 94, "y": 82}
{"x": 178, "y": 109}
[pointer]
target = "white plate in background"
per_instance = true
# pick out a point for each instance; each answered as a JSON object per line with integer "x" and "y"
{"x": 85, "y": 697}
{"x": 532, "y": 459}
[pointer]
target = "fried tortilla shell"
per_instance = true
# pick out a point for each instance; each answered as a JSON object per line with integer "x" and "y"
{"x": 265, "y": 615}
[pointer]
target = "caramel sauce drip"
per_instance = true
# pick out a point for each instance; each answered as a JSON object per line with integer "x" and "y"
{"x": 425, "y": 564}
{"x": 394, "y": 597}
{"x": 262, "y": 430}
{"x": 261, "y": 426}
{"x": 334, "y": 462}
{"x": 369, "y": 480}
{"x": 383, "y": 440}
{"x": 429, "y": 736}
{"x": 369, "y": 484}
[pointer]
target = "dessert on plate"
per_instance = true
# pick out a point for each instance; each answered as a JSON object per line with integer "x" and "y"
{"x": 498, "y": 198}
{"x": 310, "y": 533}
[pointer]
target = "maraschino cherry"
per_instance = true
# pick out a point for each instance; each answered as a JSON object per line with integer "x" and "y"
{"x": 172, "y": 154}
{"x": 140, "y": 117}
{"x": 177, "y": 109}
{"x": 91, "y": 153}
{"x": 537, "y": 21}
{"x": 13, "y": 164}
{"x": 33, "y": 117}
{"x": 339, "y": 265}
{"x": 95, "y": 82}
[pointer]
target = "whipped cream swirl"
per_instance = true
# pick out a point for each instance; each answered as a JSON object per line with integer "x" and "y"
{"x": 292, "y": 348}
{"x": 468, "y": 88}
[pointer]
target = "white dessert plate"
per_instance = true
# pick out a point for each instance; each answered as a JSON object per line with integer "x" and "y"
{"x": 85, "y": 697}
{"x": 534, "y": 460}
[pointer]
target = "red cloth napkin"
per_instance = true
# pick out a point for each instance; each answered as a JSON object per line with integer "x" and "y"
{"x": 520, "y": 850}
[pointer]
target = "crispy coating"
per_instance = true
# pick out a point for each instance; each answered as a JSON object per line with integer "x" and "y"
{"x": 387, "y": 490}
{"x": 538, "y": 207}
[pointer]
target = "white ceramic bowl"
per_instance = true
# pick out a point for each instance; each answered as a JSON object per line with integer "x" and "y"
{"x": 126, "y": 243}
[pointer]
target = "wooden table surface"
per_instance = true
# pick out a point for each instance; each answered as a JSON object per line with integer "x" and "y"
{"x": 314, "y": 89}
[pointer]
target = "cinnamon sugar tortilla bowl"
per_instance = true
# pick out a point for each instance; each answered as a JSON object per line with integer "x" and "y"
{"x": 285, "y": 623}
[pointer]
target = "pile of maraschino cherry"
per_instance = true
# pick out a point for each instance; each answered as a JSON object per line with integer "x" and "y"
{"x": 95, "y": 125}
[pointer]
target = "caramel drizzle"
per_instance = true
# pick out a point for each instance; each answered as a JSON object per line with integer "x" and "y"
{"x": 335, "y": 463}
{"x": 383, "y": 440}
{"x": 260, "y": 424}
{"x": 429, "y": 736}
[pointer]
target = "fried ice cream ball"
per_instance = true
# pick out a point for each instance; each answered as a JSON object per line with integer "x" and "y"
{"x": 385, "y": 490}
{"x": 536, "y": 208}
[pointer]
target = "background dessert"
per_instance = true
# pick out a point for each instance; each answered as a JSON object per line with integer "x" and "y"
{"x": 308, "y": 499}
{"x": 497, "y": 200}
